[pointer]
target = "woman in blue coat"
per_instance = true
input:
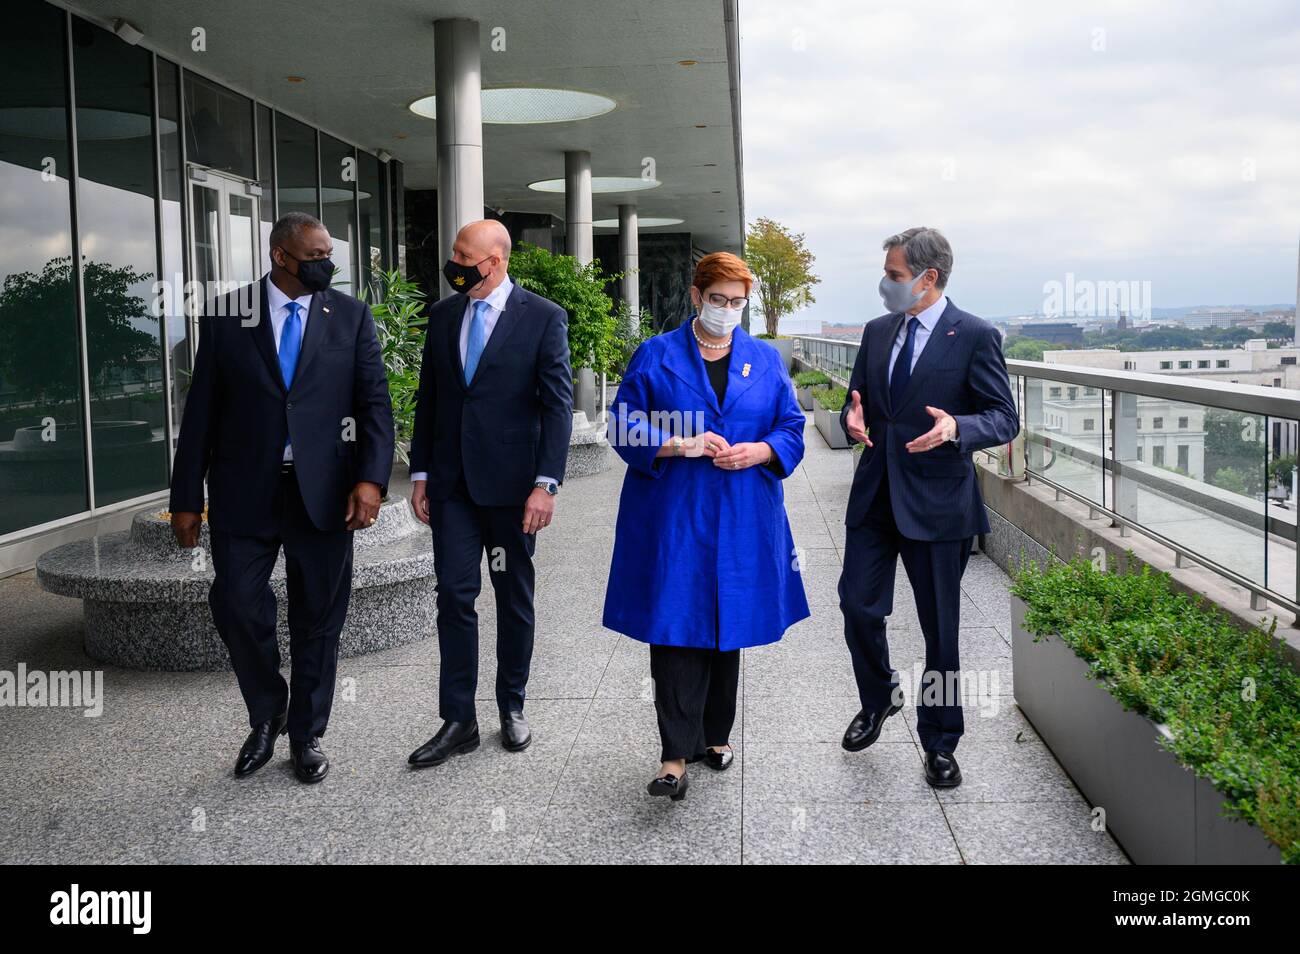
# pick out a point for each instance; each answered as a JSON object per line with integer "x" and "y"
{"x": 704, "y": 563}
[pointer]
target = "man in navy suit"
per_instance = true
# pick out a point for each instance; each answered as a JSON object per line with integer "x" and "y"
{"x": 288, "y": 417}
{"x": 488, "y": 453}
{"x": 929, "y": 387}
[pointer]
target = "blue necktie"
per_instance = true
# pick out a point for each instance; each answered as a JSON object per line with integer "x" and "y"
{"x": 290, "y": 344}
{"x": 477, "y": 339}
{"x": 903, "y": 366}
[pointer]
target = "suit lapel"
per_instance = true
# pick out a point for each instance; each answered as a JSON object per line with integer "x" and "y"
{"x": 318, "y": 313}
{"x": 683, "y": 359}
{"x": 881, "y": 356}
{"x": 744, "y": 354}
{"x": 936, "y": 349}
{"x": 264, "y": 334}
{"x": 455, "y": 309}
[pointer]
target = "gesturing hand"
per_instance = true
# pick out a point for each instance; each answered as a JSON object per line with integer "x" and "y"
{"x": 745, "y": 454}
{"x": 945, "y": 426}
{"x": 854, "y": 421}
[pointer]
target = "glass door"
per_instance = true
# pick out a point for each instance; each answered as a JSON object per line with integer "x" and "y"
{"x": 225, "y": 240}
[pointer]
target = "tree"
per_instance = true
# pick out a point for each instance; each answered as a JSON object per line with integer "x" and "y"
{"x": 782, "y": 270}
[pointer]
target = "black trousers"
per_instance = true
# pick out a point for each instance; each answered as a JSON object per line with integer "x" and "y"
{"x": 462, "y": 531}
{"x": 866, "y": 590}
{"x": 318, "y": 566}
{"x": 695, "y": 698}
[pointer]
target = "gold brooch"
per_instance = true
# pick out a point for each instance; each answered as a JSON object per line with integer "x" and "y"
{"x": 744, "y": 372}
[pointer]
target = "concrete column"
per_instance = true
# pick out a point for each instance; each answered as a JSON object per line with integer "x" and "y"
{"x": 629, "y": 263}
{"x": 577, "y": 225}
{"x": 577, "y": 204}
{"x": 458, "y": 86}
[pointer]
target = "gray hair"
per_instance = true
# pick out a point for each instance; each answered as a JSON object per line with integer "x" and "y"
{"x": 290, "y": 224}
{"x": 924, "y": 248}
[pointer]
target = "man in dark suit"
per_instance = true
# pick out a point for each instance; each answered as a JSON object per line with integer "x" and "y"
{"x": 929, "y": 387}
{"x": 488, "y": 453}
{"x": 288, "y": 416}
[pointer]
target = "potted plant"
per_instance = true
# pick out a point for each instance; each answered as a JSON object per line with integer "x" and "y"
{"x": 805, "y": 382}
{"x": 1177, "y": 723}
{"x": 826, "y": 416}
{"x": 398, "y": 310}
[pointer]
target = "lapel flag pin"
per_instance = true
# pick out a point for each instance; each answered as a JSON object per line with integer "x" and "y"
{"x": 324, "y": 309}
{"x": 744, "y": 372}
{"x": 952, "y": 332}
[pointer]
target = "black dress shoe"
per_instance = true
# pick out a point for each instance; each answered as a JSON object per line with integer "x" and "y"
{"x": 515, "y": 734}
{"x": 719, "y": 761}
{"x": 941, "y": 770}
{"x": 454, "y": 738}
{"x": 670, "y": 785}
{"x": 865, "y": 728}
{"x": 260, "y": 745}
{"x": 309, "y": 762}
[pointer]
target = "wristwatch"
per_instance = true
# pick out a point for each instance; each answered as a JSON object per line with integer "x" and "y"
{"x": 549, "y": 486}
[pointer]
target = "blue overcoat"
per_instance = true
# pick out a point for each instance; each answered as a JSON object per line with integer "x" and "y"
{"x": 695, "y": 543}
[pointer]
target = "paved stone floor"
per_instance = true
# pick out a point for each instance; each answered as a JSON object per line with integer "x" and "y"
{"x": 150, "y": 781}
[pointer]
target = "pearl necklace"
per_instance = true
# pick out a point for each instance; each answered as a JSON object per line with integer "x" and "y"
{"x": 705, "y": 344}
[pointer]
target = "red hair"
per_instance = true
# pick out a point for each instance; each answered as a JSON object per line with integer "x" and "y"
{"x": 721, "y": 267}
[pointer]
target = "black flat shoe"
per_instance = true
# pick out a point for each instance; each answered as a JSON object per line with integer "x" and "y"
{"x": 260, "y": 745}
{"x": 515, "y": 734}
{"x": 670, "y": 785}
{"x": 309, "y": 762}
{"x": 865, "y": 728}
{"x": 941, "y": 770}
{"x": 454, "y": 738}
{"x": 719, "y": 761}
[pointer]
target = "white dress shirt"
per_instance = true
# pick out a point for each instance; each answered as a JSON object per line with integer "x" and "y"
{"x": 278, "y": 302}
{"x": 496, "y": 301}
{"x": 928, "y": 318}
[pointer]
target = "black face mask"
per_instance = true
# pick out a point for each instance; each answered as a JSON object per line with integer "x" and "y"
{"x": 463, "y": 278}
{"x": 315, "y": 273}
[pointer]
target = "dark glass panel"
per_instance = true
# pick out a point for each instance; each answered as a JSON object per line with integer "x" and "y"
{"x": 42, "y": 433}
{"x": 338, "y": 167}
{"x": 295, "y": 174}
{"x": 218, "y": 127}
{"x": 118, "y": 240}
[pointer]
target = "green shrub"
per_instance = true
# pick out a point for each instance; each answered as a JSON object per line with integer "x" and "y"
{"x": 811, "y": 379}
{"x": 1226, "y": 692}
{"x": 831, "y": 398}
{"x": 398, "y": 309}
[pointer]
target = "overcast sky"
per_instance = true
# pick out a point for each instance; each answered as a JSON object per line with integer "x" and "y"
{"x": 1139, "y": 141}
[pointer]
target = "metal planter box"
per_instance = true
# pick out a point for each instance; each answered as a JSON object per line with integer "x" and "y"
{"x": 805, "y": 398}
{"x": 1158, "y": 810}
{"x": 828, "y": 422}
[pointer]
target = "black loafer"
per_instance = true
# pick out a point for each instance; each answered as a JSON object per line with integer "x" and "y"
{"x": 454, "y": 738}
{"x": 941, "y": 770}
{"x": 260, "y": 745}
{"x": 670, "y": 785}
{"x": 719, "y": 761}
{"x": 865, "y": 728}
{"x": 309, "y": 762}
{"x": 515, "y": 734}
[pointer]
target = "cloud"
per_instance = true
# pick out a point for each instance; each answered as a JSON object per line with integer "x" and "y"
{"x": 1151, "y": 142}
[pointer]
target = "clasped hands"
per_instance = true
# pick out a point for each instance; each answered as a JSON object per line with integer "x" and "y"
{"x": 728, "y": 456}
{"x": 945, "y": 427}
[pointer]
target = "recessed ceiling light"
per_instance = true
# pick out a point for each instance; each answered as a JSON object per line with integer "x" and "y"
{"x": 642, "y": 222}
{"x": 687, "y": 62}
{"x": 296, "y": 79}
{"x": 701, "y": 126}
{"x": 600, "y": 184}
{"x": 528, "y": 104}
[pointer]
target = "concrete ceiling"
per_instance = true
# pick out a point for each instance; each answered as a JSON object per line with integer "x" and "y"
{"x": 364, "y": 63}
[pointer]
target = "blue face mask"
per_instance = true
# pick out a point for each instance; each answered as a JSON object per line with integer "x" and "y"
{"x": 898, "y": 296}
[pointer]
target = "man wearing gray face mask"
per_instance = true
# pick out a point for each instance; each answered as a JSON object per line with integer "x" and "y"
{"x": 929, "y": 387}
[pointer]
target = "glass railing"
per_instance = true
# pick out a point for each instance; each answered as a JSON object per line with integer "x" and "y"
{"x": 1201, "y": 466}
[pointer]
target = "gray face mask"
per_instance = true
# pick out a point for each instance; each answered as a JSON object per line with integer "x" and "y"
{"x": 898, "y": 296}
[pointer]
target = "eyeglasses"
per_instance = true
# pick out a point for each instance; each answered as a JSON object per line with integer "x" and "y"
{"x": 718, "y": 301}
